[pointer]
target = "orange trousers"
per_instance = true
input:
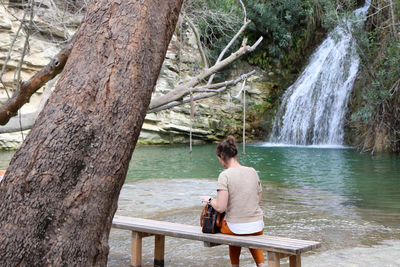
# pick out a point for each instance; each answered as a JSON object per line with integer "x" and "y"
{"x": 234, "y": 252}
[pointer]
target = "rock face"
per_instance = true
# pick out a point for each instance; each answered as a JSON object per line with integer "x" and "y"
{"x": 214, "y": 118}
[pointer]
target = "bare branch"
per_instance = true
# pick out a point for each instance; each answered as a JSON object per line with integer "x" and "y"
{"x": 181, "y": 91}
{"x": 28, "y": 88}
{"x": 199, "y": 45}
{"x": 25, "y": 121}
{"x": 3, "y": 70}
{"x": 221, "y": 55}
{"x": 226, "y": 83}
{"x": 15, "y": 125}
{"x": 186, "y": 100}
{"x": 378, "y": 10}
{"x": 24, "y": 50}
{"x": 29, "y": 119}
{"x": 220, "y": 88}
{"x": 244, "y": 11}
{"x": 226, "y": 22}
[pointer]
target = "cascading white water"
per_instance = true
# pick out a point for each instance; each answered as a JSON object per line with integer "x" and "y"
{"x": 313, "y": 108}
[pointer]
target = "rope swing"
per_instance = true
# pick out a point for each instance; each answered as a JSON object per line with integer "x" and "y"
{"x": 244, "y": 115}
{"x": 191, "y": 121}
{"x": 243, "y": 90}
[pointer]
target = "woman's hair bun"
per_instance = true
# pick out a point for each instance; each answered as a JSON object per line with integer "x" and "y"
{"x": 227, "y": 149}
{"x": 231, "y": 140}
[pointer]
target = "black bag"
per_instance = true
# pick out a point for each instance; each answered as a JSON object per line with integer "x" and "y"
{"x": 211, "y": 220}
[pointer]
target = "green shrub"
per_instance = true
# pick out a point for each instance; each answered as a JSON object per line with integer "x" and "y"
{"x": 286, "y": 25}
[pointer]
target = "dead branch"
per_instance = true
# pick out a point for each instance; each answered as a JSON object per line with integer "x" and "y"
{"x": 244, "y": 26}
{"x": 25, "y": 48}
{"x": 183, "y": 90}
{"x": 221, "y": 55}
{"x": 28, "y": 88}
{"x": 199, "y": 45}
{"x": 25, "y": 121}
{"x": 186, "y": 100}
{"x": 226, "y": 83}
{"x": 220, "y": 88}
{"x": 244, "y": 11}
{"x": 3, "y": 70}
{"x": 15, "y": 125}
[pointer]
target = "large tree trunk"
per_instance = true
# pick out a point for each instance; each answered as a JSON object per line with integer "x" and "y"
{"x": 60, "y": 192}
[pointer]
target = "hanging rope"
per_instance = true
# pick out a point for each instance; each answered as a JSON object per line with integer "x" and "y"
{"x": 244, "y": 115}
{"x": 191, "y": 120}
{"x": 180, "y": 48}
{"x": 229, "y": 95}
{"x": 20, "y": 125}
{"x": 243, "y": 90}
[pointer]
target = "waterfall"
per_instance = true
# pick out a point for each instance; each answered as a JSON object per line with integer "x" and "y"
{"x": 313, "y": 108}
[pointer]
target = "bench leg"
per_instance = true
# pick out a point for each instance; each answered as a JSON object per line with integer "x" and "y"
{"x": 159, "y": 245}
{"x": 273, "y": 259}
{"x": 136, "y": 250}
{"x": 295, "y": 261}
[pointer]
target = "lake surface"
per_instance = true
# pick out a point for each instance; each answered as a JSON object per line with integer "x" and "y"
{"x": 348, "y": 201}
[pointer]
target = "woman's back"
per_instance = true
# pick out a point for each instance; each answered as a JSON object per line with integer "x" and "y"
{"x": 243, "y": 185}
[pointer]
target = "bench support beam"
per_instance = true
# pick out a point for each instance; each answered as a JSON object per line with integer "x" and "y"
{"x": 295, "y": 261}
{"x": 159, "y": 248}
{"x": 274, "y": 259}
{"x": 136, "y": 249}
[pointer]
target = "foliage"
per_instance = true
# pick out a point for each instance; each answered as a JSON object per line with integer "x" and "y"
{"x": 378, "y": 112}
{"x": 259, "y": 109}
{"x": 288, "y": 27}
{"x": 277, "y": 20}
{"x": 217, "y": 21}
{"x": 380, "y": 88}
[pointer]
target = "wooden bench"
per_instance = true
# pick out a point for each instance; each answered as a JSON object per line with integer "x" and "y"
{"x": 276, "y": 247}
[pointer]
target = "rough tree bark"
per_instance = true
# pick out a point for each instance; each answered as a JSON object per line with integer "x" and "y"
{"x": 60, "y": 193}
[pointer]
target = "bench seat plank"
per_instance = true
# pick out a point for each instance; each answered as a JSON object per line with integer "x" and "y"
{"x": 269, "y": 243}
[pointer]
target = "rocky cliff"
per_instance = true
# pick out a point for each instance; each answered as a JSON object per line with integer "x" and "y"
{"x": 214, "y": 117}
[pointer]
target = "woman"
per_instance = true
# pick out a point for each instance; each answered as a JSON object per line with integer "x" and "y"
{"x": 2, "y": 172}
{"x": 239, "y": 195}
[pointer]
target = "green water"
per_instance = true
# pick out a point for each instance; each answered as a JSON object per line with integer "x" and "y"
{"x": 367, "y": 181}
{"x": 348, "y": 201}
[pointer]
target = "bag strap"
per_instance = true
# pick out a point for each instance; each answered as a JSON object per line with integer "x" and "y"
{"x": 202, "y": 214}
{"x": 220, "y": 217}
